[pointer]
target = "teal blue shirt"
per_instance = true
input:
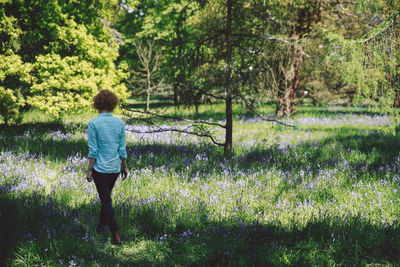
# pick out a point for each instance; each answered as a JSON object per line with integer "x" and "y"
{"x": 107, "y": 144}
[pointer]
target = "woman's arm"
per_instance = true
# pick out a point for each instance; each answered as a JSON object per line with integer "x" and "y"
{"x": 92, "y": 142}
{"x": 122, "y": 153}
{"x": 122, "y": 144}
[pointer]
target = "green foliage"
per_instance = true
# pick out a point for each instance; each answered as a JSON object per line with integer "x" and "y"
{"x": 369, "y": 65}
{"x": 158, "y": 21}
{"x": 61, "y": 52}
{"x": 79, "y": 66}
{"x": 8, "y": 104}
{"x": 7, "y": 29}
{"x": 14, "y": 73}
{"x": 67, "y": 85}
{"x": 14, "y": 79}
{"x": 205, "y": 77}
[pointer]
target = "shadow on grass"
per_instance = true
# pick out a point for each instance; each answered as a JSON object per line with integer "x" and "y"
{"x": 326, "y": 112}
{"x": 35, "y": 222}
{"x": 38, "y": 229}
{"x": 33, "y": 138}
{"x": 357, "y": 152}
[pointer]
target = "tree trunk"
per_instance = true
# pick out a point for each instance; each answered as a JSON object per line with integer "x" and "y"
{"x": 397, "y": 100}
{"x": 228, "y": 90}
{"x": 148, "y": 93}
{"x": 176, "y": 98}
{"x": 288, "y": 83}
{"x": 396, "y": 82}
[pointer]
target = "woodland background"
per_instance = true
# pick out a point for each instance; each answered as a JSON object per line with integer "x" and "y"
{"x": 55, "y": 55}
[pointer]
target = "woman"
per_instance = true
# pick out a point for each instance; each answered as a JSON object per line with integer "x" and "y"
{"x": 107, "y": 148}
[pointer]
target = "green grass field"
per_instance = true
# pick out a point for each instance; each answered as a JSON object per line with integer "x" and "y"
{"x": 325, "y": 193}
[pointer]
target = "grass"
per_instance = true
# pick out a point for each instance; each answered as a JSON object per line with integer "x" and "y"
{"x": 324, "y": 194}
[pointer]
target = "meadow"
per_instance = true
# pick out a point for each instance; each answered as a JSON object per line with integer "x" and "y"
{"x": 324, "y": 193}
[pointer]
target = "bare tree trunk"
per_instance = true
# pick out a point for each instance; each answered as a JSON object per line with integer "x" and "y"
{"x": 149, "y": 57}
{"x": 397, "y": 77}
{"x": 290, "y": 71}
{"x": 228, "y": 103}
{"x": 176, "y": 98}
{"x": 148, "y": 92}
{"x": 396, "y": 103}
{"x": 289, "y": 81}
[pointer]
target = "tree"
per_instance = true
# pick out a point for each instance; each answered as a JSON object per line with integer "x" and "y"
{"x": 70, "y": 52}
{"x": 14, "y": 78}
{"x": 14, "y": 73}
{"x": 180, "y": 28}
{"x": 225, "y": 54}
{"x": 294, "y": 25}
{"x": 230, "y": 42}
{"x": 290, "y": 22}
{"x": 204, "y": 58}
{"x": 228, "y": 90}
{"x": 237, "y": 50}
{"x": 370, "y": 63}
{"x": 321, "y": 80}
{"x": 146, "y": 77}
{"x": 159, "y": 21}
{"x": 77, "y": 68}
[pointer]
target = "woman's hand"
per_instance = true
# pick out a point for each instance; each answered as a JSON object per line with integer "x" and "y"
{"x": 89, "y": 175}
{"x": 124, "y": 173}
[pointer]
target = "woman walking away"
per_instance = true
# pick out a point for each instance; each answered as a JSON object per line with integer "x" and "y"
{"x": 107, "y": 148}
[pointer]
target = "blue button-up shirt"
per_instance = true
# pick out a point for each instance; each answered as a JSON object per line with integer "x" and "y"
{"x": 107, "y": 144}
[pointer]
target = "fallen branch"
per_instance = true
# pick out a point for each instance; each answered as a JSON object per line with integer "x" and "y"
{"x": 176, "y": 118}
{"x": 161, "y": 130}
{"x": 186, "y": 130}
{"x": 377, "y": 33}
{"x": 275, "y": 120}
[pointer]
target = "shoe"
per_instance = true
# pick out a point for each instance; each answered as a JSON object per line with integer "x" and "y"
{"x": 100, "y": 229}
{"x": 116, "y": 239}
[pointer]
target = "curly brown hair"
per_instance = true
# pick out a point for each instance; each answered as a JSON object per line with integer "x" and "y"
{"x": 105, "y": 100}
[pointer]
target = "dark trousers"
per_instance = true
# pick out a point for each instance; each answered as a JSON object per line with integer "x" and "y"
{"x": 104, "y": 183}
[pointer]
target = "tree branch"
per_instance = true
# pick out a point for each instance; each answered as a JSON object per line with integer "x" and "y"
{"x": 176, "y": 118}
{"x": 375, "y": 34}
{"x": 161, "y": 130}
{"x": 275, "y": 120}
{"x": 213, "y": 96}
{"x": 276, "y": 38}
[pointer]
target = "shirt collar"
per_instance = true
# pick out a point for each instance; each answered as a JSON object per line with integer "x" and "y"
{"x": 105, "y": 115}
